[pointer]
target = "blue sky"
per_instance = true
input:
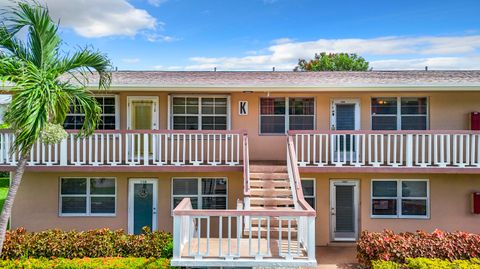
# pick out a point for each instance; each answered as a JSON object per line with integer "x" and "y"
{"x": 260, "y": 34}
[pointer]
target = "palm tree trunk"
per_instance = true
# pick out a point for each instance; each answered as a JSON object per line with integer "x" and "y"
{"x": 12, "y": 192}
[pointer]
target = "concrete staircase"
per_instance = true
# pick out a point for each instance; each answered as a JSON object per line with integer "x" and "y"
{"x": 270, "y": 189}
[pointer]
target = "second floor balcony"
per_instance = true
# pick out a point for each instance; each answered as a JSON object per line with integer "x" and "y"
{"x": 122, "y": 150}
{"x": 432, "y": 151}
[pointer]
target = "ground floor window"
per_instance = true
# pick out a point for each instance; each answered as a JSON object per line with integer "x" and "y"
{"x": 308, "y": 187}
{"x": 204, "y": 193}
{"x": 87, "y": 196}
{"x": 400, "y": 198}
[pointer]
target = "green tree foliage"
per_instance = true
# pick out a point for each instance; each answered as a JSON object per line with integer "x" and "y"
{"x": 333, "y": 62}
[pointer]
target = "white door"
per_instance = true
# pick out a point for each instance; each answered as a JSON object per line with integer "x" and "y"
{"x": 142, "y": 114}
{"x": 345, "y": 115}
{"x": 142, "y": 205}
{"x": 344, "y": 203}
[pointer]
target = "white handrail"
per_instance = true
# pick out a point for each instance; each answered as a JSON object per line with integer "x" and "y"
{"x": 134, "y": 148}
{"x": 388, "y": 149}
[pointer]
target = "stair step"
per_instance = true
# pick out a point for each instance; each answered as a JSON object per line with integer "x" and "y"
{"x": 269, "y": 176}
{"x": 270, "y": 192}
{"x": 256, "y": 168}
{"x": 274, "y": 222}
{"x": 269, "y": 184}
{"x": 256, "y": 207}
{"x": 274, "y": 233}
{"x": 270, "y": 201}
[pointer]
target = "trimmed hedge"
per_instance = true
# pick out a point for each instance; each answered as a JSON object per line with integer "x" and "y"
{"x": 86, "y": 263}
{"x": 424, "y": 263}
{"x": 93, "y": 244}
{"x": 389, "y": 246}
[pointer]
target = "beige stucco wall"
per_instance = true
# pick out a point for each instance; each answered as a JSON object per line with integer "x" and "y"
{"x": 37, "y": 204}
{"x": 447, "y": 111}
{"x": 450, "y": 204}
{"x": 36, "y": 207}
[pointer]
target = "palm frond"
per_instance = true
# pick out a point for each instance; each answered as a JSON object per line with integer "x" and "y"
{"x": 84, "y": 62}
{"x": 43, "y": 37}
{"x": 87, "y": 104}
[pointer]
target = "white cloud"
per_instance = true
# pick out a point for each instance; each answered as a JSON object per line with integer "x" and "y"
{"x": 156, "y": 3}
{"x": 392, "y": 52}
{"x": 131, "y": 60}
{"x": 99, "y": 18}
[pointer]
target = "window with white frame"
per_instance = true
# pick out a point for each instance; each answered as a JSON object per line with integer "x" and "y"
{"x": 108, "y": 118}
{"x": 204, "y": 193}
{"x": 278, "y": 114}
{"x": 399, "y": 113}
{"x": 407, "y": 198}
{"x": 199, "y": 113}
{"x": 87, "y": 196}
{"x": 308, "y": 188}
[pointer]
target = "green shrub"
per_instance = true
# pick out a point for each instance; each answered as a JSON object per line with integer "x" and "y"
{"x": 390, "y": 246}
{"x": 93, "y": 244}
{"x": 424, "y": 263}
{"x": 86, "y": 263}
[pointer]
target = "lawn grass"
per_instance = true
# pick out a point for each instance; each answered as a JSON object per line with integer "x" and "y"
{"x": 4, "y": 183}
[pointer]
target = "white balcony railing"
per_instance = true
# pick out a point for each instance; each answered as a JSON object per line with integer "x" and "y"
{"x": 134, "y": 148}
{"x": 245, "y": 237}
{"x": 222, "y": 238}
{"x": 395, "y": 149}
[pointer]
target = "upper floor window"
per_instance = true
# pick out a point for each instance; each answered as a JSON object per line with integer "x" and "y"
{"x": 200, "y": 113}
{"x": 108, "y": 119}
{"x": 399, "y": 113}
{"x": 87, "y": 196}
{"x": 400, "y": 198}
{"x": 204, "y": 193}
{"x": 278, "y": 115}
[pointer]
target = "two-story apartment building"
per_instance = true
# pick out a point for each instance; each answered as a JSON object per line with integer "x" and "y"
{"x": 272, "y": 163}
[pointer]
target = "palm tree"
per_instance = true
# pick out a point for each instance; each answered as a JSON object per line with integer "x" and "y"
{"x": 44, "y": 82}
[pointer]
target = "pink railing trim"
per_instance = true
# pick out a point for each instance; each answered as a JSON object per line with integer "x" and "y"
{"x": 296, "y": 176}
{"x": 183, "y": 210}
{"x": 405, "y": 132}
{"x": 246, "y": 166}
{"x": 152, "y": 131}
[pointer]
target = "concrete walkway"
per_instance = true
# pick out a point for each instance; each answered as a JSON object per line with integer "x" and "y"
{"x": 336, "y": 258}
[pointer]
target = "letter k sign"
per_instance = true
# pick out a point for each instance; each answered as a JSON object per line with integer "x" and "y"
{"x": 243, "y": 108}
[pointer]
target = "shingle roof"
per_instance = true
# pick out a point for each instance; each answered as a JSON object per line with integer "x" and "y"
{"x": 294, "y": 79}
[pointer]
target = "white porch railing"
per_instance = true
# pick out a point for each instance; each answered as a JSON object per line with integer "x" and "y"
{"x": 217, "y": 237}
{"x": 279, "y": 237}
{"x": 134, "y": 148}
{"x": 409, "y": 149}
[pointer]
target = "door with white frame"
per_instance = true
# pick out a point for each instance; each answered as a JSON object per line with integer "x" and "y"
{"x": 345, "y": 115}
{"x": 142, "y": 204}
{"x": 142, "y": 114}
{"x": 344, "y": 204}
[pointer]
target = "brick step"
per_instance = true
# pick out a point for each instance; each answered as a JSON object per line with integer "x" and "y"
{"x": 269, "y": 184}
{"x": 269, "y": 176}
{"x": 270, "y": 201}
{"x": 270, "y": 192}
{"x": 258, "y": 168}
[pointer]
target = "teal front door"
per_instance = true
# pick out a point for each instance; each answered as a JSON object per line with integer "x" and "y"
{"x": 142, "y": 205}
